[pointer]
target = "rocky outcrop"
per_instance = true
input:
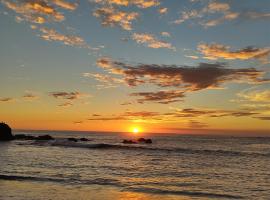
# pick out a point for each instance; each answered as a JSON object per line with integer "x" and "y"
{"x": 140, "y": 140}
{"x": 5, "y": 132}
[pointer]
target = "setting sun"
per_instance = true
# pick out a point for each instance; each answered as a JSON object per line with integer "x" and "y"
{"x": 135, "y": 130}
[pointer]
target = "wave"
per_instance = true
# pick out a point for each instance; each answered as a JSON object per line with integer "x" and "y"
{"x": 67, "y": 144}
{"x": 185, "y": 193}
{"x": 111, "y": 182}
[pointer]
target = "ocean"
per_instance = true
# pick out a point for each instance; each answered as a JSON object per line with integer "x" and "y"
{"x": 172, "y": 167}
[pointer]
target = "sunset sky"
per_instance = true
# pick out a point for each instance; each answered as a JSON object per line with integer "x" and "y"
{"x": 160, "y": 65}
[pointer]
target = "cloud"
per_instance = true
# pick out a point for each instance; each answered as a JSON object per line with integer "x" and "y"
{"x": 214, "y": 51}
{"x": 129, "y": 116}
{"x": 163, "y": 97}
{"x": 138, "y": 3}
{"x": 163, "y": 11}
{"x": 111, "y": 17}
{"x": 255, "y": 95}
{"x": 68, "y": 95}
{"x": 107, "y": 80}
{"x": 65, "y": 4}
{"x": 265, "y": 118}
{"x": 66, "y": 105}
{"x": 192, "y": 57}
{"x": 256, "y": 15}
{"x": 213, "y": 113}
{"x": 151, "y": 41}
{"x": 192, "y": 78}
{"x": 213, "y": 8}
{"x": 35, "y": 11}
{"x": 6, "y": 99}
{"x": 190, "y": 115}
{"x": 70, "y": 40}
{"x": 30, "y": 97}
{"x": 196, "y": 124}
{"x": 165, "y": 34}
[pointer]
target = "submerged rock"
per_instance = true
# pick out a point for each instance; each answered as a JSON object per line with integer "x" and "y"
{"x": 44, "y": 137}
{"x": 146, "y": 141}
{"x": 84, "y": 139}
{"x": 129, "y": 142}
{"x": 5, "y": 132}
{"x": 72, "y": 139}
{"x": 24, "y": 137}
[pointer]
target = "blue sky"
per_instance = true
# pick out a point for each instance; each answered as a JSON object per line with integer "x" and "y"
{"x": 135, "y": 62}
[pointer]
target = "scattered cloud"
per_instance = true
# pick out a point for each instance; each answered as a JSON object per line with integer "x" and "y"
{"x": 30, "y": 96}
{"x": 66, "y": 5}
{"x": 68, "y": 95}
{"x": 163, "y": 97}
{"x": 214, "y": 51}
{"x": 66, "y": 104}
{"x": 255, "y": 95}
{"x": 200, "y": 112}
{"x": 151, "y": 41}
{"x": 218, "y": 12}
{"x": 163, "y": 11}
{"x": 107, "y": 80}
{"x": 35, "y": 11}
{"x": 191, "y": 78}
{"x": 191, "y": 115}
{"x": 138, "y": 3}
{"x": 70, "y": 40}
{"x": 265, "y": 118}
{"x": 196, "y": 124}
{"x": 192, "y": 57}
{"x": 6, "y": 99}
{"x": 165, "y": 34}
{"x": 112, "y": 17}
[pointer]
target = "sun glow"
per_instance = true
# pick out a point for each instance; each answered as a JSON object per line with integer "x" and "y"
{"x": 135, "y": 130}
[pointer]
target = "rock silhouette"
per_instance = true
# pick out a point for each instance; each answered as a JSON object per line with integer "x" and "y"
{"x": 5, "y": 132}
{"x": 140, "y": 140}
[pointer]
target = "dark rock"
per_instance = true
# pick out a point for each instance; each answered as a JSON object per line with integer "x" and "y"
{"x": 148, "y": 141}
{"x": 72, "y": 139}
{"x": 84, "y": 139}
{"x": 129, "y": 142}
{"x": 141, "y": 140}
{"x": 24, "y": 137}
{"x": 5, "y": 132}
{"x": 44, "y": 137}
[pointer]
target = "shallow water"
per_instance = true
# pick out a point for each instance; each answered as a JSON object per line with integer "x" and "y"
{"x": 173, "y": 167}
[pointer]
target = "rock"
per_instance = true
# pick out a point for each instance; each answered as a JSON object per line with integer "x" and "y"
{"x": 24, "y": 137}
{"x": 44, "y": 137}
{"x": 84, "y": 139}
{"x": 129, "y": 142}
{"x": 141, "y": 140}
{"x": 72, "y": 139}
{"x": 146, "y": 141}
{"x": 5, "y": 132}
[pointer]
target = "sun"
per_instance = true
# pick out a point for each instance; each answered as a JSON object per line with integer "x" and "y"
{"x": 135, "y": 130}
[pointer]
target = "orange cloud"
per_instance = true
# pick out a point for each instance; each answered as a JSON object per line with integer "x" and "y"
{"x": 203, "y": 76}
{"x": 71, "y": 40}
{"x": 215, "y": 51}
{"x": 138, "y": 3}
{"x": 163, "y": 97}
{"x": 112, "y": 17}
{"x": 6, "y": 99}
{"x": 35, "y": 11}
{"x": 65, "y": 5}
{"x": 151, "y": 41}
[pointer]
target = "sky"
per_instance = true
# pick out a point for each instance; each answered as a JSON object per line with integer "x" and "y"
{"x": 186, "y": 66}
